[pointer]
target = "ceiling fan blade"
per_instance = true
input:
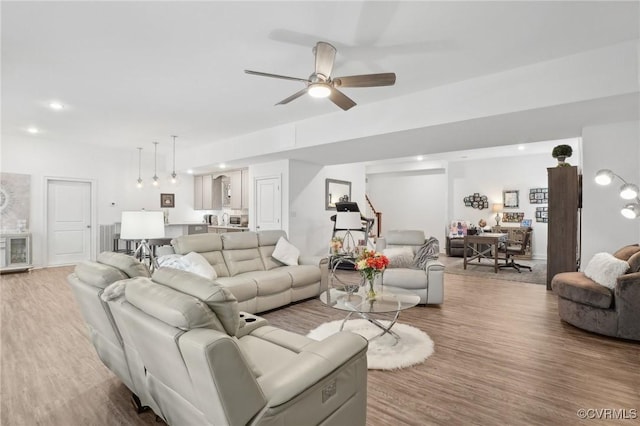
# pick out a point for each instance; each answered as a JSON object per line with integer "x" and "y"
{"x": 325, "y": 56}
{"x": 292, "y": 97}
{"x": 366, "y": 80}
{"x": 266, "y": 74}
{"x": 340, "y": 99}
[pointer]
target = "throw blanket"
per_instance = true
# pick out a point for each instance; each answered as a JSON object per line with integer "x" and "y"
{"x": 428, "y": 251}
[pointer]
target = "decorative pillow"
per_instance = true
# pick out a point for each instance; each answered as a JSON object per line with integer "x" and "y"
{"x": 428, "y": 251}
{"x": 286, "y": 252}
{"x": 604, "y": 269}
{"x": 399, "y": 257}
{"x": 192, "y": 262}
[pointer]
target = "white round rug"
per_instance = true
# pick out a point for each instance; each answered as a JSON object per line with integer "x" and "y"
{"x": 413, "y": 347}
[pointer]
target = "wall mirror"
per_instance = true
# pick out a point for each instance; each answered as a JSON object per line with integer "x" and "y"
{"x": 510, "y": 198}
{"x": 336, "y": 191}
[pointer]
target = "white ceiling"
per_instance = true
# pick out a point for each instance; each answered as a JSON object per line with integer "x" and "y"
{"x": 129, "y": 73}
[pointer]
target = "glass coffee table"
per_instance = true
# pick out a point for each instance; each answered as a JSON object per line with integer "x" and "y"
{"x": 388, "y": 300}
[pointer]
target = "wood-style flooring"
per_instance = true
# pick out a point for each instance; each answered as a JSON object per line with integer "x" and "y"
{"x": 502, "y": 357}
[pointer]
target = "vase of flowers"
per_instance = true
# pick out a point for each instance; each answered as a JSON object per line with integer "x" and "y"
{"x": 371, "y": 264}
{"x": 336, "y": 245}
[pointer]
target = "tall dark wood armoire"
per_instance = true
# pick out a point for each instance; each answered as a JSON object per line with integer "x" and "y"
{"x": 564, "y": 221}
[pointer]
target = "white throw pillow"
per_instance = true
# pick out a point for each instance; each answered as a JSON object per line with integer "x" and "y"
{"x": 399, "y": 257}
{"x": 286, "y": 252}
{"x": 197, "y": 264}
{"x": 604, "y": 269}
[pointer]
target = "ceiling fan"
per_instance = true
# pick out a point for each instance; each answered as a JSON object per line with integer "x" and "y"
{"x": 321, "y": 85}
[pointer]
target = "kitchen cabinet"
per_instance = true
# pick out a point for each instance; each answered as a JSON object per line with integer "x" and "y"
{"x": 245, "y": 188}
{"x": 15, "y": 252}
{"x": 206, "y": 193}
{"x": 235, "y": 181}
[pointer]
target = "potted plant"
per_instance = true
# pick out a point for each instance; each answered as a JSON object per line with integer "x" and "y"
{"x": 561, "y": 152}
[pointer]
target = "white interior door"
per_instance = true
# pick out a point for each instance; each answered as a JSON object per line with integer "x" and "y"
{"x": 268, "y": 203}
{"x": 68, "y": 222}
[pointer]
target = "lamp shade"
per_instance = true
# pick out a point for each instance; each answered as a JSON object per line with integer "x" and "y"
{"x": 348, "y": 220}
{"x": 142, "y": 225}
{"x": 497, "y": 207}
{"x": 604, "y": 177}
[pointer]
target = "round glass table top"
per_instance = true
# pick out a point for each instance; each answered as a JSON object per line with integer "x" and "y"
{"x": 388, "y": 299}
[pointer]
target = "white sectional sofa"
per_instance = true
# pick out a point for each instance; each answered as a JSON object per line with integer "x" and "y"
{"x": 244, "y": 264}
{"x": 180, "y": 343}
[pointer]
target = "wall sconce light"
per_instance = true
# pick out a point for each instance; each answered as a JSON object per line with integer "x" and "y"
{"x": 628, "y": 191}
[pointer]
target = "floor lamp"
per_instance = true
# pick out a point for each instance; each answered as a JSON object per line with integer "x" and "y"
{"x": 348, "y": 221}
{"x": 142, "y": 225}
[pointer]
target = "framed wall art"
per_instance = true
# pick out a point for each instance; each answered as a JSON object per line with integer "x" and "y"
{"x": 476, "y": 201}
{"x": 336, "y": 191}
{"x": 510, "y": 198}
{"x": 167, "y": 200}
{"x": 542, "y": 214}
{"x": 539, "y": 196}
{"x": 512, "y": 217}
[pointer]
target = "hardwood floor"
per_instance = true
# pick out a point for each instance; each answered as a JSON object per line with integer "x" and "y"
{"x": 502, "y": 356}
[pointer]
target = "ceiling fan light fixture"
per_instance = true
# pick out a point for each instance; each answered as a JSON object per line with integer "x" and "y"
{"x": 319, "y": 90}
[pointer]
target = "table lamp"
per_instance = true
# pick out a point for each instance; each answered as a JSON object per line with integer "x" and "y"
{"x": 348, "y": 221}
{"x": 497, "y": 208}
{"x": 142, "y": 225}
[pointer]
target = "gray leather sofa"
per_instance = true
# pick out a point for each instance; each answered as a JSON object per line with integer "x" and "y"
{"x": 88, "y": 282}
{"x": 428, "y": 283}
{"x": 596, "y": 308}
{"x": 244, "y": 264}
{"x": 184, "y": 347}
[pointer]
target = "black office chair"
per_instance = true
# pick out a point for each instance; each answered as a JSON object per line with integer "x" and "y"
{"x": 515, "y": 248}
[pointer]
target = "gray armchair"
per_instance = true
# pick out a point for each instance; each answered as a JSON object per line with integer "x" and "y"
{"x": 596, "y": 308}
{"x": 427, "y": 282}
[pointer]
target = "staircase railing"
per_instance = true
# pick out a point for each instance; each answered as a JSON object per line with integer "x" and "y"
{"x": 377, "y": 214}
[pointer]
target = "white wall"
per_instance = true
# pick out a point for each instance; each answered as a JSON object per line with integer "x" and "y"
{"x": 310, "y": 223}
{"x": 114, "y": 172}
{"x": 615, "y": 147}
{"x": 411, "y": 200}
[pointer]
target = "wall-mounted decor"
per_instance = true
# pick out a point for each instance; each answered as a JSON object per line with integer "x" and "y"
{"x": 476, "y": 201}
{"x": 167, "y": 200}
{"x": 336, "y": 191}
{"x": 15, "y": 201}
{"x": 539, "y": 195}
{"x": 526, "y": 223}
{"x": 510, "y": 198}
{"x": 513, "y": 217}
{"x": 542, "y": 214}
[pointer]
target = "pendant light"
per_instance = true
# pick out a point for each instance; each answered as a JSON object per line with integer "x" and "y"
{"x": 173, "y": 178}
{"x": 155, "y": 165}
{"x": 139, "y": 184}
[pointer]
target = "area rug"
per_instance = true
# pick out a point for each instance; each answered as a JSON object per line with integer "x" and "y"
{"x": 384, "y": 353}
{"x": 537, "y": 276}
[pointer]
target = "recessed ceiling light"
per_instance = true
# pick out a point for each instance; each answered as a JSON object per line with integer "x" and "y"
{"x": 190, "y": 171}
{"x": 222, "y": 165}
{"x": 419, "y": 158}
{"x": 520, "y": 147}
{"x": 33, "y": 130}
{"x": 56, "y": 106}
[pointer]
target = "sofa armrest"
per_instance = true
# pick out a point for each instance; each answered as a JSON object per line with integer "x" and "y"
{"x": 248, "y": 323}
{"x": 435, "y": 281}
{"x": 310, "y": 260}
{"x": 627, "y": 304}
{"x": 316, "y": 361}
